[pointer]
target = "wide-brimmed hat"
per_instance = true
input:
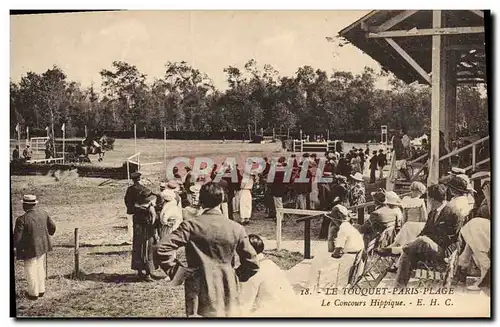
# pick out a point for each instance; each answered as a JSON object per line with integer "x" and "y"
{"x": 357, "y": 177}
{"x": 135, "y": 176}
{"x": 339, "y": 213}
{"x": 173, "y": 185}
{"x": 392, "y": 198}
{"x": 30, "y": 199}
{"x": 195, "y": 188}
{"x": 458, "y": 184}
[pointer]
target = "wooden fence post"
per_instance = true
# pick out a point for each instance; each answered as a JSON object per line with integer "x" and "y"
{"x": 361, "y": 215}
{"x": 77, "y": 255}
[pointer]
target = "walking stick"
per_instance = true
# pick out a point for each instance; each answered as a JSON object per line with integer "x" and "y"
{"x": 46, "y": 265}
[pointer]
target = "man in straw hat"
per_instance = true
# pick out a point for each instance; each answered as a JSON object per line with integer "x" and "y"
{"x": 211, "y": 241}
{"x": 32, "y": 242}
{"x": 331, "y": 267}
{"x": 139, "y": 200}
{"x": 440, "y": 231}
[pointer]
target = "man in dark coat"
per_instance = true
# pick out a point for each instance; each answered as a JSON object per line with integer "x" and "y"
{"x": 382, "y": 162}
{"x": 137, "y": 201}
{"x": 373, "y": 167}
{"x": 15, "y": 154}
{"x": 279, "y": 186}
{"x": 211, "y": 242}
{"x": 32, "y": 242}
{"x": 440, "y": 231}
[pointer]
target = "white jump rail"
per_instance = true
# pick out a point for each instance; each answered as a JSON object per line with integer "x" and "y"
{"x": 139, "y": 164}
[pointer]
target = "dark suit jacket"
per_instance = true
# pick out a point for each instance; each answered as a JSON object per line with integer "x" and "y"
{"x": 444, "y": 228}
{"x": 279, "y": 187}
{"x": 31, "y": 234}
{"x": 211, "y": 242}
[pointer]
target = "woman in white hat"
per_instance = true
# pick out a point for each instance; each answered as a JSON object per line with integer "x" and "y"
{"x": 171, "y": 213}
{"x": 331, "y": 267}
{"x": 357, "y": 190}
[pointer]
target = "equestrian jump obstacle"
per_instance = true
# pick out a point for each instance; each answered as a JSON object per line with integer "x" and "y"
{"x": 135, "y": 159}
{"x": 321, "y": 147}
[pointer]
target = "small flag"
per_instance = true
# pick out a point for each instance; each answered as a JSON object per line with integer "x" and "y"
{"x": 63, "y": 127}
{"x": 47, "y": 128}
{"x": 18, "y": 127}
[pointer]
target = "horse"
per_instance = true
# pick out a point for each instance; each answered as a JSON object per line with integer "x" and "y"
{"x": 93, "y": 147}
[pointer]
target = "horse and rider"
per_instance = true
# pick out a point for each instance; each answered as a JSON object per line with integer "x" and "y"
{"x": 91, "y": 145}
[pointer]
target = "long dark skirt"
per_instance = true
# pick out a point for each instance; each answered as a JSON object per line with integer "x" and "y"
{"x": 142, "y": 247}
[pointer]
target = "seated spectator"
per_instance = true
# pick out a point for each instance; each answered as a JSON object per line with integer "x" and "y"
{"x": 414, "y": 208}
{"x": 332, "y": 268}
{"x": 269, "y": 288}
{"x": 477, "y": 236}
{"x": 458, "y": 192}
{"x": 381, "y": 218}
{"x": 440, "y": 231}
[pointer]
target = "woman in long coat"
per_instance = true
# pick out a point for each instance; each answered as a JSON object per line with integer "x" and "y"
{"x": 211, "y": 242}
{"x": 140, "y": 203}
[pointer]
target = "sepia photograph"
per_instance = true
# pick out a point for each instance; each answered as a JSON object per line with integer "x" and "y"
{"x": 175, "y": 164}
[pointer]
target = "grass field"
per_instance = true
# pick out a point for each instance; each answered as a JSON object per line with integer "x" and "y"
{"x": 108, "y": 287}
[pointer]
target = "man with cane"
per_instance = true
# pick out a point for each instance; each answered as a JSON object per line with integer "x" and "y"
{"x": 32, "y": 243}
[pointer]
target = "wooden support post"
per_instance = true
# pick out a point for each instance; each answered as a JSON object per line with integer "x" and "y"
{"x": 274, "y": 134}
{"x": 262, "y": 132}
{"x": 307, "y": 239}
{"x": 327, "y": 135}
{"x": 288, "y": 133}
{"x": 361, "y": 216}
{"x": 77, "y": 255}
{"x": 435, "y": 101}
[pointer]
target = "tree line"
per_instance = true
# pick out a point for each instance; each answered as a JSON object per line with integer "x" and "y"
{"x": 185, "y": 99}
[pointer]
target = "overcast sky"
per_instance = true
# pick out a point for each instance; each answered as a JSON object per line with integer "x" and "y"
{"x": 84, "y": 43}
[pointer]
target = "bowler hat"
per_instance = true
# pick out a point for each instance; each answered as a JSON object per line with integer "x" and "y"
{"x": 30, "y": 199}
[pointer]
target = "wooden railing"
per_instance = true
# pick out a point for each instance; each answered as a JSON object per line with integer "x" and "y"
{"x": 454, "y": 153}
{"x": 317, "y": 214}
